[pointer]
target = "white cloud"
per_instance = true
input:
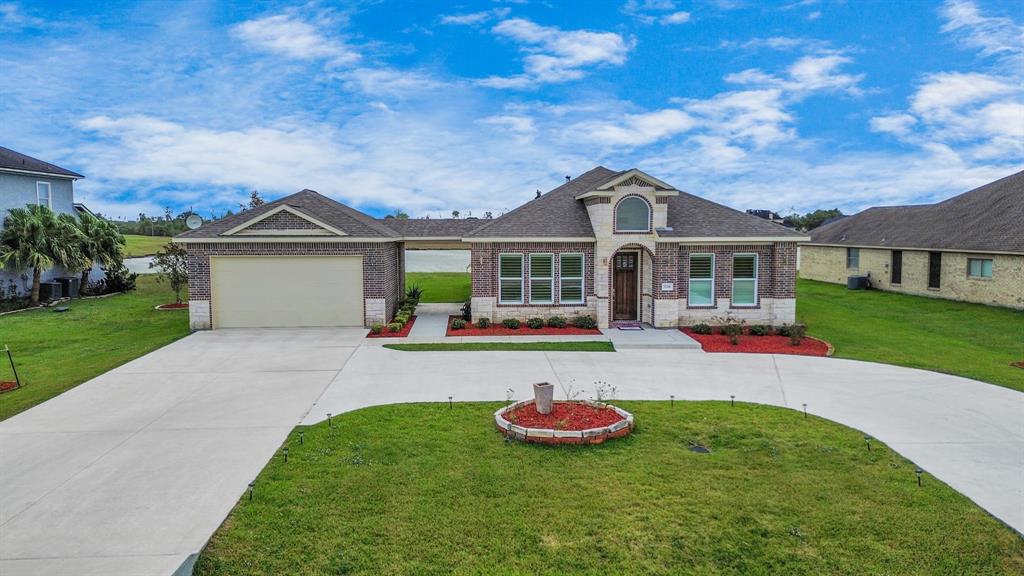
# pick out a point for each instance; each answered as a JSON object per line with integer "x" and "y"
{"x": 898, "y": 124}
{"x": 513, "y": 123}
{"x": 637, "y": 129}
{"x": 474, "y": 18}
{"x": 808, "y": 74}
{"x": 992, "y": 36}
{"x": 781, "y": 43}
{"x": 289, "y": 36}
{"x": 814, "y": 15}
{"x": 942, "y": 93}
{"x": 680, "y": 17}
{"x": 391, "y": 82}
{"x": 556, "y": 55}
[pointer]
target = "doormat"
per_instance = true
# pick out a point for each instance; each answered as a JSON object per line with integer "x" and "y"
{"x": 632, "y": 326}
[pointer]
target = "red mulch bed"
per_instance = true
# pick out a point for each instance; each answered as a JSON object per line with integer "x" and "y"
{"x": 496, "y": 329}
{"x": 8, "y": 385}
{"x": 564, "y": 416}
{"x": 173, "y": 306}
{"x": 773, "y": 344}
{"x": 400, "y": 334}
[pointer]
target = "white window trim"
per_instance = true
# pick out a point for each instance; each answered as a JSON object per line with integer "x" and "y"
{"x": 981, "y": 276}
{"x": 848, "y": 252}
{"x": 757, "y": 280}
{"x": 582, "y": 278}
{"x": 550, "y": 279}
{"x": 647, "y": 226}
{"x": 522, "y": 270}
{"x": 49, "y": 194}
{"x": 690, "y": 280}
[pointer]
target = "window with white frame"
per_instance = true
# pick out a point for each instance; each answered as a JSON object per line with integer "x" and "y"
{"x": 43, "y": 196}
{"x": 571, "y": 279}
{"x": 744, "y": 280}
{"x": 510, "y": 278}
{"x": 633, "y": 214}
{"x": 702, "y": 280}
{"x": 853, "y": 257}
{"x": 542, "y": 278}
{"x": 979, "y": 267}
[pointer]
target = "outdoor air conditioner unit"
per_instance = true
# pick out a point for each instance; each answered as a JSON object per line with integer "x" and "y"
{"x": 50, "y": 291}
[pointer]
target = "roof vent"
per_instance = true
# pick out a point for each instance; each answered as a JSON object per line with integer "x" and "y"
{"x": 538, "y": 194}
{"x": 567, "y": 178}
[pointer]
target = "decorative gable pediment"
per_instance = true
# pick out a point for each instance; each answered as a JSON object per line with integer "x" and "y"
{"x": 631, "y": 182}
{"x": 284, "y": 221}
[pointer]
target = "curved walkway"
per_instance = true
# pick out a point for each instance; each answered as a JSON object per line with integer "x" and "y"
{"x": 967, "y": 433}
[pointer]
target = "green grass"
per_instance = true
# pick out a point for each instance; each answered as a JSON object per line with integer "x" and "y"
{"x": 959, "y": 338}
{"x": 595, "y": 346}
{"x": 57, "y": 351}
{"x": 424, "y": 489}
{"x": 136, "y": 246}
{"x": 440, "y": 286}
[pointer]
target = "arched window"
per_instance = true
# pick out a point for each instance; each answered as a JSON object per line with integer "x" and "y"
{"x": 633, "y": 214}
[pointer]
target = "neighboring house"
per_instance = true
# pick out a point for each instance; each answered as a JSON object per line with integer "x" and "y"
{"x": 26, "y": 180}
{"x": 768, "y": 215}
{"x": 621, "y": 246}
{"x": 969, "y": 247}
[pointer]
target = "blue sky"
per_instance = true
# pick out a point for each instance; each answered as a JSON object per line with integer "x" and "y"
{"x": 432, "y": 107}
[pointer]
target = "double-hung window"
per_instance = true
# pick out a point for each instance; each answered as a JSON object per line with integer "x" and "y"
{"x": 744, "y": 280}
{"x": 570, "y": 280}
{"x": 43, "y": 195}
{"x": 853, "y": 257}
{"x": 510, "y": 279}
{"x": 542, "y": 278}
{"x": 702, "y": 280}
{"x": 979, "y": 267}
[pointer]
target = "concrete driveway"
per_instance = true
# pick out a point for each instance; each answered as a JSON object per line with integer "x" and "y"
{"x": 131, "y": 472}
{"x": 967, "y": 433}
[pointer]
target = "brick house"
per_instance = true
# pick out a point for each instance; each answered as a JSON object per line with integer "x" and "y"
{"x": 969, "y": 247}
{"x": 620, "y": 246}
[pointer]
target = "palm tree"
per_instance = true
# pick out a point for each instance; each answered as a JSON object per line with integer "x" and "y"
{"x": 35, "y": 237}
{"x": 100, "y": 242}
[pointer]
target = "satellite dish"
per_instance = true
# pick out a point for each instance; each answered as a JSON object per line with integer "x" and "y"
{"x": 194, "y": 221}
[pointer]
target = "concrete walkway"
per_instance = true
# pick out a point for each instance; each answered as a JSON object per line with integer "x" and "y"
{"x": 132, "y": 472}
{"x": 967, "y": 433}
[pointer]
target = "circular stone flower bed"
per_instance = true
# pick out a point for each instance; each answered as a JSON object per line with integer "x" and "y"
{"x": 583, "y": 422}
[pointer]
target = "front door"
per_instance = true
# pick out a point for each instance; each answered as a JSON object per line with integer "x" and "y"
{"x": 625, "y": 284}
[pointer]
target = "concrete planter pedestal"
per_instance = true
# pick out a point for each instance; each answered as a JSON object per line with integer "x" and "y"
{"x": 543, "y": 396}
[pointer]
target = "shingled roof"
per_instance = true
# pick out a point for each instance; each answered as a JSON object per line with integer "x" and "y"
{"x": 986, "y": 219}
{"x": 312, "y": 204}
{"x": 433, "y": 228}
{"x": 11, "y": 160}
{"x": 691, "y": 216}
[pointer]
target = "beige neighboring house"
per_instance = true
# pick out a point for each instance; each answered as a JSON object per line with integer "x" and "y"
{"x": 969, "y": 248}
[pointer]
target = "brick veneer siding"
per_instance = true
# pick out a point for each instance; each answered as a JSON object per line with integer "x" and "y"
{"x": 283, "y": 221}
{"x": 776, "y": 269}
{"x": 484, "y": 258}
{"x": 381, "y": 265}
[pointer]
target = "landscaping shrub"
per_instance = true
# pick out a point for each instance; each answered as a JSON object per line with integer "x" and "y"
{"x": 556, "y": 322}
{"x": 10, "y": 299}
{"x": 467, "y": 311}
{"x": 483, "y": 323}
{"x": 796, "y": 333}
{"x": 535, "y": 323}
{"x": 584, "y": 322}
{"x": 377, "y": 328}
{"x": 759, "y": 330}
{"x": 395, "y": 327}
{"x": 510, "y": 323}
{"x": 733, "y": 328}
{"x": 118, "y": 279}
{"x": 403, "y": 318}
{"x": 701, "y": 328}
{"x": 413, "y": 294}
{"x": 458, "y": 324}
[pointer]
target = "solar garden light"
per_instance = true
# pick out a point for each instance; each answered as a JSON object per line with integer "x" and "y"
{"x": 867, "y": 440}
{"x": 301, "y": 433}
{"x": 672, "y": 399}
{"x": 251, "y": 486}
{"x": 918, "y": 471}
{"x": 805, "y": 410}
{"x": 329, "y": 424}
{"x": 285, "y": 453}
{"x": 449, "y": 402}
{"x": 732, "y": 400}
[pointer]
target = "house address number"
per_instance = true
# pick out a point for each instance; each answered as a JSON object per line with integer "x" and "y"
{"x": 667, "y": 286}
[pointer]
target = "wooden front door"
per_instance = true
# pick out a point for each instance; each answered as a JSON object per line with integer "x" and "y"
{"x": 625, "y": 284}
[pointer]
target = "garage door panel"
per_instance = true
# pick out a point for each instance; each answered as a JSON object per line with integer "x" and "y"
{"x": 286, "y": 291}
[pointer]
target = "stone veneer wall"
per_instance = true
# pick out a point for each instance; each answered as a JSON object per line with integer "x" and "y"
{"x": 382, "y": 274}
{"x": 484, "y": 263}
{"x": 1005, "y": 288}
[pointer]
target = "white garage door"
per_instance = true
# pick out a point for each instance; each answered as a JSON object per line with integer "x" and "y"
{"x": 283, "y": 291}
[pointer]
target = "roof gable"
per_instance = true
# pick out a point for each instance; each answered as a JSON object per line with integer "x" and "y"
{"x": 284, "y": 220}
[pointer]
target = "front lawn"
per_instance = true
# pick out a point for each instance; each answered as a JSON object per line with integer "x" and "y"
{"x": 959, "y": 338}
{"x": 136, "y": 245}
{"x": 428, "y": 489}
{"x": 440, "y": 286}
{"x": 57, "y": 351}
{"x": 595, "y": 346}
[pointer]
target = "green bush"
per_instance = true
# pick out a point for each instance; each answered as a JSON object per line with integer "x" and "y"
{"x": 556, "y": 322}
{"x": 535, "y": 323}
{"x": 701, "y": 328}
{"x": 395, "y": 327}
{"x": 584, "y": 322}
{"x": 402, "y": 317}
{"x": 467, "y": 311}
{"x": 510, "y": 323}
{"x": 796, "y": 334}
{"x": 759, "y": 330}
{"x": 377, "y": 328}
{"x": 483, "y": 323}
{"x": 413, "y": 294}
{"x": 458, "y": 324}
